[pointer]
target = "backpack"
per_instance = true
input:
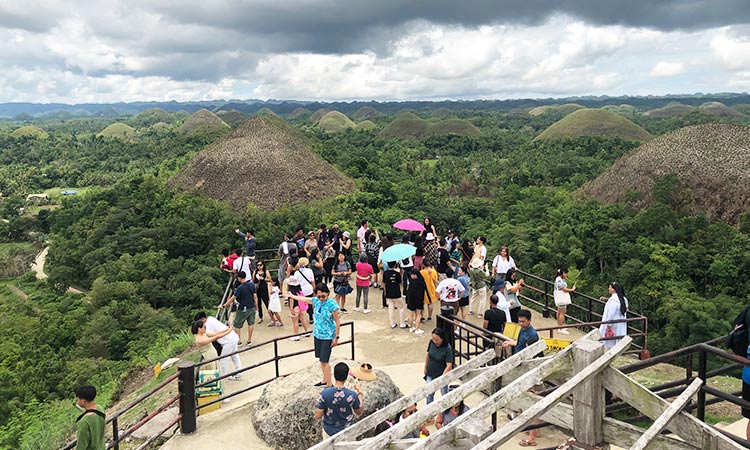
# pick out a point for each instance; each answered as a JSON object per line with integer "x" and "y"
{"x": 737, "y": 339}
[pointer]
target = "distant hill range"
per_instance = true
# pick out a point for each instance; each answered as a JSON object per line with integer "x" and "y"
{"x": 23, "y": 111}
{"x": 702, "y": 168}
{"x": 265, "y": 162}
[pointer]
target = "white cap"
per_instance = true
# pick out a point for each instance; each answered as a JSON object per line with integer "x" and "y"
{"x": 430, "y": 237}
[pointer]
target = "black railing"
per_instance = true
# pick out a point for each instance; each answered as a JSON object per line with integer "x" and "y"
{"x": 186, "y": 386}
{"x": 584, "y": 311}
{"x": 674, "y": 388}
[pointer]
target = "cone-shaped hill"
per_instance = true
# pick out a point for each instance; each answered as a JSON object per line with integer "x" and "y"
{"x": 561, "y": 110}
{"x": 30, "y": 131}
{"x": 702, "y": 168}
{"x": 719, "y": 109}
{"x": 317, "y": 115}
{"x": 203, "y": 122}
{"x": 259, "y": 163}
{"x": 150, "y": 116}
{"x": 233, "y": 118}
{"x": 118, "y": 130}
{"x": 594, "y": 122}
{"x": 334, "y": 122}
{"x": 365, "y": 113}
{"x": 299, "y": 112}
{"x": 671, "y": 110}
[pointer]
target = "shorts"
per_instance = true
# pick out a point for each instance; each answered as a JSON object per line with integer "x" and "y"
{"x": 244, "y": 315}
{"x": 746, "y": 397}
{"x": 323, "y": 349}
{"x": 463, "y": 301}
{"x": 414, "y": 305}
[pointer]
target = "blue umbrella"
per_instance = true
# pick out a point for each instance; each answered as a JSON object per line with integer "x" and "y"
{"x": 398, "y": 252}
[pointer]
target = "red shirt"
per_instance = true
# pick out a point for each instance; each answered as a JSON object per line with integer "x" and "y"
{"x": 364, "y": 270}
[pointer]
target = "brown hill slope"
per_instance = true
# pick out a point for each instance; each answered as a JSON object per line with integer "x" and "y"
{"x": 260, "y": 163}
{"x": 594, "y": 122}
{"x": 711, "y": 163}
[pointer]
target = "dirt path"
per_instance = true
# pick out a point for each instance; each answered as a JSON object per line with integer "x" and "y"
{"x": 38, "y": 267}
{"x": 18, "y": 291}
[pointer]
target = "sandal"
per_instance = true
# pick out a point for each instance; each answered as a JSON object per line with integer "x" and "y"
{"x": 527, "y": 443}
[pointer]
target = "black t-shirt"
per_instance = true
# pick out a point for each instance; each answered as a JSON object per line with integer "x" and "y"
{"x": 495, "y": 320}
{"x": 443, "y": 258}
{"x": 392, "y": 280}
{"x": 244, "y": 294}
{"x": 438, "y": 358}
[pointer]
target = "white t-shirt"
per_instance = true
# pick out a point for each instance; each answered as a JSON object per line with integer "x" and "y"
{"x": 361, "y": 237}
{"x": 305, "y": 285}
{"x": 482, "y": 252}
{"x": 501, "y": 266}
{"x": 451, "y": 290}
{"x": 214, "y": 326}
{"x": 242, "y": 264}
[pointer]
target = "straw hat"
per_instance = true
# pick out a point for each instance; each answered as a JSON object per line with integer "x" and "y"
{"x": 364, "y": 372}
{"x": 292, "y": 281}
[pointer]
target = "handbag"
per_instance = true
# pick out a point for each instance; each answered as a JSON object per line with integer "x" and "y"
{"x": 609, "y": 332}
{"x": 344, "y": 289}
{"x": 562, "y": 298}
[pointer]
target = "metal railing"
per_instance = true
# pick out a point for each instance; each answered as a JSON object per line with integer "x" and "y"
{"x": 585, "y": 311}
{"x": 186, "y": 387}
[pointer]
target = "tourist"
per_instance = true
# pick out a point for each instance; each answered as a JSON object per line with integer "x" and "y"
{"x": 403, "y": 415}
{"x": 512, "y": 289}
{"x": 419, "y": 254}
{"x": 322, "y": 237}
{"x": 406, "y": 265}
{"x": 415, "y": 300}
{"x": 91, "y": 423}
{"x": 325, "y": 329}
{"x": 203, "y": 339}
{"x": 310, "y": 243}
{"x": 297, "y": 310}
{"x": 337, "y": 405}
{"x": 329, "y": 259}
{"x": 341, "y": 271}
{"x": 361, "y": 236}
{"x": 306, "y": 279}
{"x": 274, "y": 305}
{"x": 451, "y": 241}
{"x": 438, "y": 361}
{"x": 227, "y": 261}
{"x": 317, "y": 265}
{"x": 428, "y": 228}
{"x": 228, "y": 344}
{"x": 285, "y": 251}
{"x": 500, "y": 266}
{"x": 242, "y": 264}
{"x": 392, "y": 292}
{"x": 299, "y": 239}
{"x": 449, "y": 291}
{"x": 562, "y": 297}
{"x": 467, "y": 252}
{"x": 345, "y": 246}
{"x": 335, "y": 234}
{"x": 450, "y": 414}
{"x": 478, "y": 283}
{"x": 480, "y": 251}
{"x": 250, "y": 244}
{"x": 430, "y": 280}
{"x": 616, "y": 308}
{"x": 455, "y": 257}
{"x": 442, "y": 264}
{"x": 430, "y": 249}
{"x": 372, "y": 250}
{"x": 463, "y": 302}
{"x": 262, "y": 279}
{"x": 494, "y": 318}
{"x": 363, "y": 281}
{"x": 246, "y": 295}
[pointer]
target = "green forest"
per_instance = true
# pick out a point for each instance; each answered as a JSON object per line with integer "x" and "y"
{"x": 146, "y": 254}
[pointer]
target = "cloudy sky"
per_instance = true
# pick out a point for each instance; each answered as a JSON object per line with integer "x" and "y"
{"x": 115, "y": 50}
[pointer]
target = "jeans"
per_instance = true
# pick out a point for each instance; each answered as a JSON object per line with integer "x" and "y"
{"x": 431, "y": 397}
{"x": 362, "y": 291}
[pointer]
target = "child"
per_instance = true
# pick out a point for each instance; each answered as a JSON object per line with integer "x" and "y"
{"x": 274, "y": 306}
{"x": 298, "y": 309}
{"x": 392, "y": 281}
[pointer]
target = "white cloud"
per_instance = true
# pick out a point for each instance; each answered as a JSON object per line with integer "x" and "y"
{"x": 732, "y": 47}
{"x": 667, "y": 69}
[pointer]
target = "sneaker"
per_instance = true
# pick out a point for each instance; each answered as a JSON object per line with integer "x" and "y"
{"x": 272, "y": 324}
{"x": 403, "y": 325}
{"x": 366, "y": 311}
{"x": 418, "y": 331}
{"x": 422, "y": 319}
{"x": 279, "y": 324}
{"x": 563, "y": 331}
{"x": 411, "y": 329}
{"x": 294, "y": 338}
{"x": 307, "y": 335}
{"x": 393, "y": 325}
{"x": 344, "y": 310}
{"x": 356, "y": 309}
{"x": 429, "y": 319}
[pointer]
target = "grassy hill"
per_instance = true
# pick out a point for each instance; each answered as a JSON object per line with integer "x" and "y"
{"x": 203, "y": 122}
{"x": 703, "y": 168}
{"x": 406, "y": 126}
{"x": 365, "y": 113}
{"x": 31, "y": 131}
{"x": 335, "y": 122}
{"x": 453, "y": 126}
{"x": 366, "y": 125}
{"x": 264, "y": 149}
{"x": 265, "y": 111}
{"x": 299, "y": 112}
{"x": 317, "y": 115}
{"x": 118, "y": 130}
{"x": 720, "y": 110}
{"x": 150, "y": 117}
{"x": 440, "y": 113}
{"x": 672, "y": 110}
{"x": 628, "y": 111}
{"x": 561, "y": 110}
{"x": 594, "y": 122}
{"x": 233, "y": 118}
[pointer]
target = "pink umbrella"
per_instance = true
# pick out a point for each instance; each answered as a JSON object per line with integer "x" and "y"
{"x": 408, "y": 225}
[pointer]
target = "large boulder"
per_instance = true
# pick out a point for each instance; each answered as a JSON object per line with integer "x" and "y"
{"x": 283, "y": 415}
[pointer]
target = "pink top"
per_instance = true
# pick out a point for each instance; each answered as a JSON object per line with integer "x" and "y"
{"x": 364, "y": 270}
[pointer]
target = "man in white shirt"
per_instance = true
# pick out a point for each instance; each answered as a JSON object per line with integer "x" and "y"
{"x": 242, "y": 264}
{"x": 450, "y": 290}
{"x": 228, "y": 344}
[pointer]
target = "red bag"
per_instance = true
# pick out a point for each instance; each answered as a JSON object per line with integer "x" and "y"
{"x": 610, "y": 333}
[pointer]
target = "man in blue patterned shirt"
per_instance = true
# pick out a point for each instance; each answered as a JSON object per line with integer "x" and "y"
{"x": 337, "y": 404}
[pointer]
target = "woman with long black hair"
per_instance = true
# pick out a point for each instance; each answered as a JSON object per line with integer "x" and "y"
{"x": 616, "y": 308}
{"x": 263, "y": 282}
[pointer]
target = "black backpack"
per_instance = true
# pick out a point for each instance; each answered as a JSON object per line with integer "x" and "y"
{"x": 737, "y": 339}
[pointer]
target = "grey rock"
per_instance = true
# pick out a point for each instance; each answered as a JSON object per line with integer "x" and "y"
{"x": 283, "y": 415}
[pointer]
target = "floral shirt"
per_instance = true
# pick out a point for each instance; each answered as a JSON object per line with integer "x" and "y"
{"x": 324, "y": 327}
{"x": 338, "y": 405}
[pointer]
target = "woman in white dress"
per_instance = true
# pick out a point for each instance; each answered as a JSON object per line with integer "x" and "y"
{"x": 616, "y": 308}
{"x": 562, "y": 297}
